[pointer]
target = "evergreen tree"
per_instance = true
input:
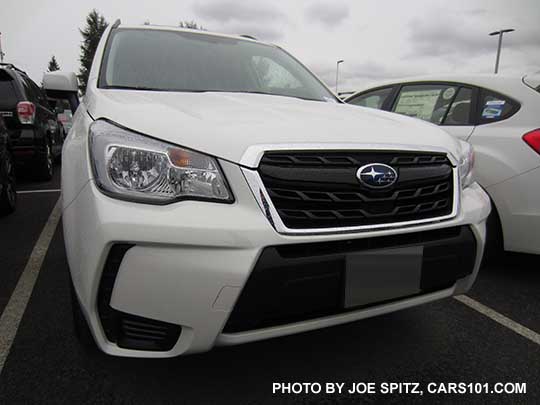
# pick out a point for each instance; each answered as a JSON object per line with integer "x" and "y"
{"x": 53, "y": 65}
{"x": 95, "y": 25}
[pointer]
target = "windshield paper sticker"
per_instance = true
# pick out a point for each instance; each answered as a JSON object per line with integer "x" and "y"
{"x": 418, "y": 103}
{"x": 493, "y": 109}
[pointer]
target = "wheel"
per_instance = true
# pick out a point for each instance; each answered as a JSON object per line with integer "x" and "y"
{"x": 8, "y": 197}
{"x": 80, "y": 325}
{"x": 494, "y": 237}
{"x": 45, "y": 166}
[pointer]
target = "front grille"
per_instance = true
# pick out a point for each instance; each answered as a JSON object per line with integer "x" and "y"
{"x": 316, "y": 189}
{"x": 126, "y": 330}
{"x": 298, "y": 282}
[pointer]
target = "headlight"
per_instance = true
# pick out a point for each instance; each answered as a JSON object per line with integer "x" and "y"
{"x": 138, "y": 168}
{"x": 466, "y": 165}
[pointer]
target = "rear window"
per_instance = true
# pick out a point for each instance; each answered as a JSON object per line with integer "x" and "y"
{"x": 496, "y": 107}
{"x": 8, "y": 93}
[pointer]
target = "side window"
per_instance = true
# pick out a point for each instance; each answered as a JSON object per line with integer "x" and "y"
{"x": 373, "y": 99}
{"x": 495, "y": 107}
{"x": 429, "y": 102}
{"x": 460, "y": 110}
{"x": 273, "y": 75}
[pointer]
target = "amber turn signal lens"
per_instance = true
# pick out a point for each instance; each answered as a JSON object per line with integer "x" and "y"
{"x": 179, "y": 157}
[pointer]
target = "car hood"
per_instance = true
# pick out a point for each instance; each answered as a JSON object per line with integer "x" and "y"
{"x": 225, "y": 125}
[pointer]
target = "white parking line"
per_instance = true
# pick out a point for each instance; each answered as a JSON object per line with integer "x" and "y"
{"x": 499, "y": 318}
{"x": 52, "y": 190}
{"x": 14, "y": 310}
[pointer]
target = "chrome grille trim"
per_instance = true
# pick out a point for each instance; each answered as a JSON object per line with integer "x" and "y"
{"x": 265, "y": 202}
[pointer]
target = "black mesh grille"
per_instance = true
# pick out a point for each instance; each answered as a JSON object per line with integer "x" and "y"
{"x": 292, "y": 283}
{"x": 321, "y": 190}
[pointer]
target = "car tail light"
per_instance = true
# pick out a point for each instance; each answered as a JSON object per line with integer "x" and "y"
{"x": 26, "y": 112}
{"x": 533, "y": 139}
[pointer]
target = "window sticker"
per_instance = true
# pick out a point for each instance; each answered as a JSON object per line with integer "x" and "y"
{"x": 417, "y": 103}
{"x": 496, "y": 102}
{"x": 448, "y": 93}
{"x": 493, "y": 108}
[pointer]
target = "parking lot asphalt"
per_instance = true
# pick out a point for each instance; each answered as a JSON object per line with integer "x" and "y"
{"x": 20, "y": 230}
{"x": 441, "y": 342}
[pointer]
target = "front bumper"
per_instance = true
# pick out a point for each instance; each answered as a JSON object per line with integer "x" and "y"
{"x": 191, "y": 261}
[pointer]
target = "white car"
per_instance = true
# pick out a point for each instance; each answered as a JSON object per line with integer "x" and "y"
{"x": 500, "y": 117}
{"x": 215, "y": 192}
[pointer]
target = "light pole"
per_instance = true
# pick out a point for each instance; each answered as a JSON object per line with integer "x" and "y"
{"x": 500, "y": 34}
{"x": 337, "y": 73}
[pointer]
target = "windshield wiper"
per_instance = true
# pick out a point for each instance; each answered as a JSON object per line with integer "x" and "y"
{"x": 257, "y": 92}
{"x": 282, "y": 95}
{"x": 122, "y": 87}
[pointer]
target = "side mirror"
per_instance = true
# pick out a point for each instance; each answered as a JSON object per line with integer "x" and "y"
{"x": 62, "y": 85}
{"x": 60, "y": 81}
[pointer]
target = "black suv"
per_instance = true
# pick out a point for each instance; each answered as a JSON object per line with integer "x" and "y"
{"x": 8, "y": 196}
{"x": 35, "y": 133}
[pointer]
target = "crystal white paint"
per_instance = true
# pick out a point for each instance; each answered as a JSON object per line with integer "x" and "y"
{"x": 192, "y": 258}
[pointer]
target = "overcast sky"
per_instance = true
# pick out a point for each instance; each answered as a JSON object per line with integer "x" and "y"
{"x": 377, "y": 39}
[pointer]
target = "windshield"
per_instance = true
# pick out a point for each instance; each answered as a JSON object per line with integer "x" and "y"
{"x": 160, "y": 60}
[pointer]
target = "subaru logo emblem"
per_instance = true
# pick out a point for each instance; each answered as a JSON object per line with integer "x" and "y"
{"x": 377, "y": 175}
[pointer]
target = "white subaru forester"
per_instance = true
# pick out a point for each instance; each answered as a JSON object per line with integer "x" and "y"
{"x": 215, "y": 192}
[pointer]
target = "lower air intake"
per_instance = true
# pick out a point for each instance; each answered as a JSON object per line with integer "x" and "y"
{"x": 126, "y": 330}
{"x": 298, "y": 282}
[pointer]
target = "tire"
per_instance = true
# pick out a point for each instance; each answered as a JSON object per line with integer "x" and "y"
{"x": 8, "y": 197}
{"x": 45, "y": 166}
{"x": 80, "y": 325}
{"x": 494, "y": 237}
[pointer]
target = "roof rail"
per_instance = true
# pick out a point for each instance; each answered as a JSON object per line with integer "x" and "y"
{"x": 12, "y": 66}
{"x": 116, "y": 23}
{"x": 248, "y": 37}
